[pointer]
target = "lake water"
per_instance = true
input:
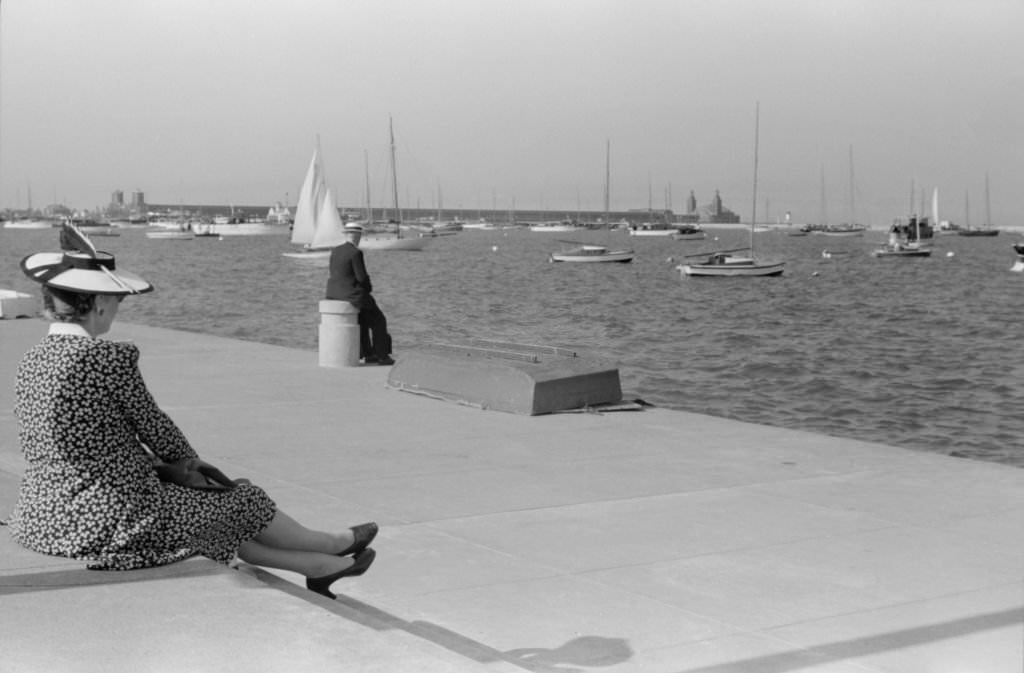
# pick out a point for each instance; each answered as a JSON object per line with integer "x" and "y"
{"x": 926, "y": 354}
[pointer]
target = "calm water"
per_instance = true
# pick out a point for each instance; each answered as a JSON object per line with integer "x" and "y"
{"x": 926, "y": 354}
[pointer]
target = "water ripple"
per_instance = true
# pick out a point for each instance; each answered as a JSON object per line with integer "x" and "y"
{"x": 924, "y": 354}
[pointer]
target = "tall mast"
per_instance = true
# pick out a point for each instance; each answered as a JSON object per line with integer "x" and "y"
{"x": 650, "y": 201}
{"x": 988, "y": 206}
{"x": 753, "y": 209}
{"x": 369, "y": 208}
{"x": 822, "y": 216}
{"x": 394, "y": 178}
{"x": 853, "y": 210}
{"x": 607, "y": 178}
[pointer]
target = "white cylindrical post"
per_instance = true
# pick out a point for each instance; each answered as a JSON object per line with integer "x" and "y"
{"x": 339, "y": 334}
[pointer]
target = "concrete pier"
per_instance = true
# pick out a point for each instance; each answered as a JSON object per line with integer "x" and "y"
{"x": 655, "y": 541}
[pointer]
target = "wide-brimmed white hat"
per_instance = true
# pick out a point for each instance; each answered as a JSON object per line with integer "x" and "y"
{"x": 85, "y": 272}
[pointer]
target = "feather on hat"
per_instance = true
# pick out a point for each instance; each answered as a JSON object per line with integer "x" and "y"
{"x": 82, "y": 268}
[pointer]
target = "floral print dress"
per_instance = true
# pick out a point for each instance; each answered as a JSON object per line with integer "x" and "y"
{"x": 90, "y": 490}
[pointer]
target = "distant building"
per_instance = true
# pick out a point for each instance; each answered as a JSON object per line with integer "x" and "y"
{"x": 716, "y": 213}
{"x": 713, "y": 213}
{"x": 117, "y": 198}
{"x": 138, "y": 201}
{"x": 692, "y": 215}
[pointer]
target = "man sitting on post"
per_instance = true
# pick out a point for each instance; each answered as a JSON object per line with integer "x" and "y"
{"x": 349, "y": 281}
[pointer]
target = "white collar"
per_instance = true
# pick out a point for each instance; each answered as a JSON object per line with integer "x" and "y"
{"x": 69, "y": 328}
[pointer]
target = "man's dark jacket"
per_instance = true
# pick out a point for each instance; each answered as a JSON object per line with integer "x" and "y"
{"x": 347, "y": 278}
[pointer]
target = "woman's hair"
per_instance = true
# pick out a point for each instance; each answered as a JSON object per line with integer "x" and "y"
{"x": 66, "y": 305}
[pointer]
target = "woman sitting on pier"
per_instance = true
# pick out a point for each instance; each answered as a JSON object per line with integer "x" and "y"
{"x": 110, "y": 478}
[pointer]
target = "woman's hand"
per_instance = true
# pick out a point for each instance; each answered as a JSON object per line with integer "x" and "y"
{"x": 213, "y": 476}
{"x": 194, "y": 473}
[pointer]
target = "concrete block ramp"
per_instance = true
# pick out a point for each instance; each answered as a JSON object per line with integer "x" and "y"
{"x": 503, "y": 376}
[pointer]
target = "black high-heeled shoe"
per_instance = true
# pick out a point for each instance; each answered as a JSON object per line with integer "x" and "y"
{"x": 362, "y": 536}
{"x": 322, "y": 585}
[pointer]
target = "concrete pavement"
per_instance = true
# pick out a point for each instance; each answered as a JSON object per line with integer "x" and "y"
{"x": 657, "y": 540}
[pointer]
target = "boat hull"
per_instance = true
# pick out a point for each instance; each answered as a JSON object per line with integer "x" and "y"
{"x": 652, "y": 232}
{"x": 555, "y": 228}
{"x": 620, "y": 256}
{"x": 248, "y": 229}
{"x": 171, "y": 235}
{"x": 28, "y": 224}
{"x": 918, "y": 252}
{"x": 411, "y": 243}
{"x": 308, "y": 254}
{"x": 840, "y": 232}
{"x": 733, "y": 269}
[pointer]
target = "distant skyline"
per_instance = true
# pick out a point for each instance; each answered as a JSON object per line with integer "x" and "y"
{"x": 223, "y": 101}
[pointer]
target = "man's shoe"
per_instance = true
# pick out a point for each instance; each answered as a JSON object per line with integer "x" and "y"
{"x": 386, "y": 360}
{"x": 370, "y": 359}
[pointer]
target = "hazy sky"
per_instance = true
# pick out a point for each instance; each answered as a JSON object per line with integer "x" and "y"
{"x": 221, "y": 101}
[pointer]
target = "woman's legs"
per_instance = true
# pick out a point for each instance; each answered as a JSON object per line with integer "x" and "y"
{"x": 308, "y": 563}
{"x": 285, "y": 533}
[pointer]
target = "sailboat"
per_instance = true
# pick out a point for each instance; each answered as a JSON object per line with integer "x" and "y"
{"x": 850, "y": 228}
{"x": 988, "y": 229}
{"x": 589, "y": 253}
{"x": 724, "y": 262}
{"x": 318, "y": 226}
{"x": 395, "y": 240}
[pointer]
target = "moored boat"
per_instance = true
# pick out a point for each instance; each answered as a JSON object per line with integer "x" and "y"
{"x": 171, "y": 235}
{"x": 840, "y": 230}
{"x": 481, "y": 224}
{"x": 1019, "y": 264}
{"x": 988, "y": 229}
{"x": 31, "y": 223}
{"x": 978, "y": 231}
{"x": 901, "y": 249}
{"x": 688, "y": 232}
{"x": 557, "y": 227}
{"x": 724, "y": 264}
{"x": 587, "y": 253}
{"x": 652, "y": 229}
{"x": 393, "y": 241}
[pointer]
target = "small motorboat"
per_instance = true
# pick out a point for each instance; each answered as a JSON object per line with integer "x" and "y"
{"x": 688, "y": 232}
{"x": 591, "y": 253}
{"x": 901, "y": 249}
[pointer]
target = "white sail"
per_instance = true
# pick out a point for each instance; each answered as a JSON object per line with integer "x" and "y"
{"x": 330, "y": 230}
{"x": 311, "y": 199}
{"x": 935, "y": 208}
